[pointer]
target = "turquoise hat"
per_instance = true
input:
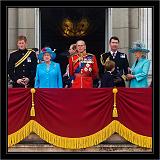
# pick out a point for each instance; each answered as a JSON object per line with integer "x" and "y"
{"x": 48, "y": 50}
{"x": 138, "y": 46}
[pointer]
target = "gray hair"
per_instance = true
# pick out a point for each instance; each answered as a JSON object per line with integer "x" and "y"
{"x": 144, "y": 55}
{"x": 81, "y": 41}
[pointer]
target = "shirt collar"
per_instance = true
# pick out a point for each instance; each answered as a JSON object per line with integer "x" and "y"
{"x": 113, "y": 52}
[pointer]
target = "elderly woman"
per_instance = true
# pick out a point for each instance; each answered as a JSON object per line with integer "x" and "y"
{"x": 48, "y": 73}
{"x": 140, "y": 68}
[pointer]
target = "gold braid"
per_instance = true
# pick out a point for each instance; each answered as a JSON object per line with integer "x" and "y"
{"x": 102, "y": 60}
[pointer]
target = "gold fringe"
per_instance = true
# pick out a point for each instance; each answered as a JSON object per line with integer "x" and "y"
{"x": 19, "y": 135}
{"x": 82, "y": 142}
{"x": 73, "y": 143}
{"x": 137, "y": 139}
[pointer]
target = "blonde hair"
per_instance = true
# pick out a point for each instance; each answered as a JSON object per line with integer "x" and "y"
{"x": 109, "y": 65}
{"x": 20, "y": 38}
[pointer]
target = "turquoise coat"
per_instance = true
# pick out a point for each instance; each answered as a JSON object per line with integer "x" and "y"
{"x": 48, "y": 78}
{"x": 141, "y": 73}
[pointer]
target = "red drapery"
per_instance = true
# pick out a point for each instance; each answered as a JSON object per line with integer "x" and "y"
{"x": 135, "y": 109}
{"x": 19, "y": 103}
{"x": 76, "y": 113}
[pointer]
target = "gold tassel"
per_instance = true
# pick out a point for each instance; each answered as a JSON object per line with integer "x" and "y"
{"x": 32, "y": 111}
{"x": 114, "y": 113}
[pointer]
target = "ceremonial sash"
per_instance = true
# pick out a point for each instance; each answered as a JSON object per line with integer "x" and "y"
{"x": 23, "y": 58}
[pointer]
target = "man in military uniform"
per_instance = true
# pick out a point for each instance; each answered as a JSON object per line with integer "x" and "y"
{"x": 22, "y": 65}
{"x": 83, "y": 67}
{"x": 120, "y": 59}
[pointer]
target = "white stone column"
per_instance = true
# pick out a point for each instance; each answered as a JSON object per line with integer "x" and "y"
{"x": 134, "y": 30}
{"x": 146, "y": 34}
{"x": 12, "y": 29}
{"x": 108, "y": 27}
{"x": 37, "y": 28}
{"x": 12, "y": 33}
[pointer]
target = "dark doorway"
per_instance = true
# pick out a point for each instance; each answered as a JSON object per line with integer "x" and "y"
{"x": 52, "y": 33}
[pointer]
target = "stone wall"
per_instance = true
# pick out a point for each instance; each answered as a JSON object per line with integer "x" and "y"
{"x": 21, "y": 21}
{"x": 125, "y": 25}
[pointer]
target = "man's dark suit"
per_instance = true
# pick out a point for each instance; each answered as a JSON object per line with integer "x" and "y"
{"x": 26, "y": 69}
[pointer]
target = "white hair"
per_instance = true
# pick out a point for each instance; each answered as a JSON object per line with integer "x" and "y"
{"x": 144, "y": 54}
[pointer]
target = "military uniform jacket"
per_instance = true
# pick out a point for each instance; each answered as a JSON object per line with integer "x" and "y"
{"x": 85, "y": 65}
{"x": 86, "y": 68}
{"x": 26, "y": 69}
{"x": 120, "y": 60}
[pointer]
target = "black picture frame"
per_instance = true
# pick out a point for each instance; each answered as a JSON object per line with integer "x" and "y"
{"x": 75, "y": 155}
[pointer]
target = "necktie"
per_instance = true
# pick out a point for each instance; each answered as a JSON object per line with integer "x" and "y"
{"x": 114, "y": 55}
